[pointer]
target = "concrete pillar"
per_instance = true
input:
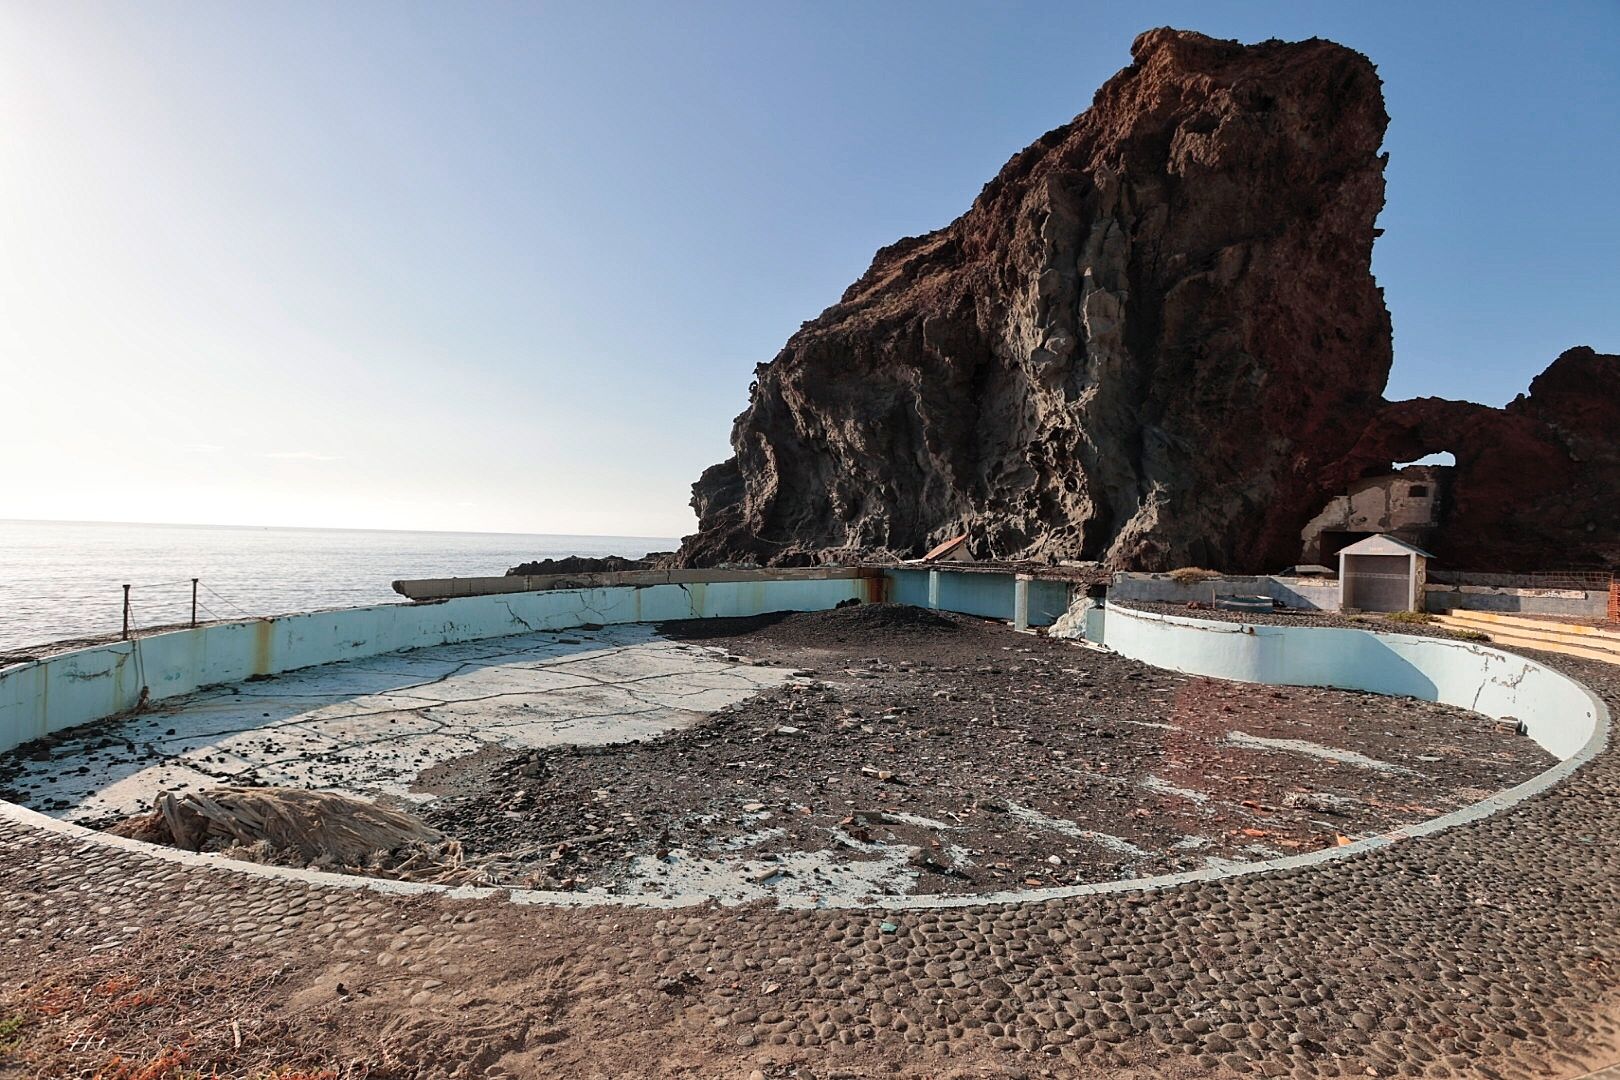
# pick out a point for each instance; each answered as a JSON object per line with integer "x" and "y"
{"x": 933, "y": 589}
{"x": 1021, "y": 602}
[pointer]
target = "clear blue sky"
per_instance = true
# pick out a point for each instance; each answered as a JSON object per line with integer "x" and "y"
{"x": 509, "y": 266}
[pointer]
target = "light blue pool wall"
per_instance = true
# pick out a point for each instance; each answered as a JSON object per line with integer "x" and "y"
{"x": 989, "y": 596}
{"x": 78, "y": 687}
{"x": 1562, "y": 716}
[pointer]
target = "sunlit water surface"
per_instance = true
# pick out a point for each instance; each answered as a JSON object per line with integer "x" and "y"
{"x": 64, "y": 579}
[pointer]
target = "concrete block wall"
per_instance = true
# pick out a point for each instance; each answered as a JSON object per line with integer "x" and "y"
{"x": 1578, "y": 603}
{"x": 1300, "y": 593}
{"x": 1318, "y": 594}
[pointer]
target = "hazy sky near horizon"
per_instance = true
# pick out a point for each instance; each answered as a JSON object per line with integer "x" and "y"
{"x": 509, "y": 266}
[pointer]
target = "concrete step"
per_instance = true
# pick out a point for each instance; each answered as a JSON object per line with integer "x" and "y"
{"x": 1543, "y": 645}
{"x": 1530, "y": 622}
{"x": 1575, "y": 633}
{"x": 1536, "y": 637}
{"x": 1597, "y": 637}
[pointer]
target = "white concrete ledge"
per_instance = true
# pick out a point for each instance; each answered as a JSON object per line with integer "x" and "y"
{"x": 445, "y": 588}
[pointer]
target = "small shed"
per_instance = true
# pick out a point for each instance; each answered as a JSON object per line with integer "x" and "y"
{"x": 1382, "y": 573}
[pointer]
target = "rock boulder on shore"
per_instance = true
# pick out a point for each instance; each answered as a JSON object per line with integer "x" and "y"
{"x": 1154, "y": 340}
{"x": 588, "y": 564}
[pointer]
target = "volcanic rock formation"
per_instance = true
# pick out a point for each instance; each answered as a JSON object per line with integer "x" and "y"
{"x": 587, "y": 564}
{"x": 1537, "y": 484}
{"x": 1154, "y": 340}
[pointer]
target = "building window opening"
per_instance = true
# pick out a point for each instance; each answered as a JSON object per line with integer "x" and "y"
{"x": 1334, "y": 539}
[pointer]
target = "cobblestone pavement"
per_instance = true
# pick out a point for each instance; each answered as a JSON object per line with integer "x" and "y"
{"x": 1489, "y": 950}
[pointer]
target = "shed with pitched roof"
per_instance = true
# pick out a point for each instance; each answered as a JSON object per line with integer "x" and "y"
{"x": 1382, "y": 573}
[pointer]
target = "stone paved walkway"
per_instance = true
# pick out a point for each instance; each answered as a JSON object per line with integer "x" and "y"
{"x": 1489, "y": 950}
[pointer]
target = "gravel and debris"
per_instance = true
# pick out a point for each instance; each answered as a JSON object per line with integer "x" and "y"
{"x": 932, "y": 753}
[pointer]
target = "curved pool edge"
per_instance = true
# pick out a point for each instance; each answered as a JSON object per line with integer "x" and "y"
{"x": 1558, "y": 712}
{"x": 1244, "y": 662}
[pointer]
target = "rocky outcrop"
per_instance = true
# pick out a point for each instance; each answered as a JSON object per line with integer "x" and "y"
{"x": 1536, "y": 485}
{"x": 589, "y": 564}
{"x": 1156, "y": 324}
{"x": 1153, "y": 340}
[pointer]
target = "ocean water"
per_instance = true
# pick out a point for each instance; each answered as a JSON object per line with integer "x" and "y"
{"x": 64, "y": 579}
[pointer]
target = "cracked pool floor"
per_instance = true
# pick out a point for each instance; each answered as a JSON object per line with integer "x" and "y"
{"x": 370, "y": 727}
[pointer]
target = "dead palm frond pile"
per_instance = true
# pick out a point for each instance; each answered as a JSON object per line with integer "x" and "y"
{"x": 318, "y": 830}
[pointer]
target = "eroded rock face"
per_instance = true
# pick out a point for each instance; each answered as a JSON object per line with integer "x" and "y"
{"x": 1154, "y": 324}
{"x": 1154, "y": 340}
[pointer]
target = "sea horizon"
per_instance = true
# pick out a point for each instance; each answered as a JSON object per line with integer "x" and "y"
{"x": 63, "y": 580}
{"x": 323, "y": 528}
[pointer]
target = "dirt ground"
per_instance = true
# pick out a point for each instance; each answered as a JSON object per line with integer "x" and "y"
{"x": 1486, "y": 950}
{"x": 944, "y": 754}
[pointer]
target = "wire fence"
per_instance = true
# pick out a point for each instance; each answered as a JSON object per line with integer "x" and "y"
{"x": 1581, "y": 580}
{"x": 147, "y": 606}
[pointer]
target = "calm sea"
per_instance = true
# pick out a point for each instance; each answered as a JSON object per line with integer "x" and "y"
{"x": 63, "y": 579}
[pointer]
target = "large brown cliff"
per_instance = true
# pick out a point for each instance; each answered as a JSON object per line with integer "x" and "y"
{"x": 1153, "y": 340}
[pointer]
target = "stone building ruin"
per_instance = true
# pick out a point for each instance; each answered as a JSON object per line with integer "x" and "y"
{"x": 1409, "y": 504}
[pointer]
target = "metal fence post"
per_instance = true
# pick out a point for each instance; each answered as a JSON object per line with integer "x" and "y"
{"x": 126, "y": 612}
{"x": 194, "y": 603}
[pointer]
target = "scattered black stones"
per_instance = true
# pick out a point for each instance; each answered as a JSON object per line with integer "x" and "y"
{"x": 990, "y": 760}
